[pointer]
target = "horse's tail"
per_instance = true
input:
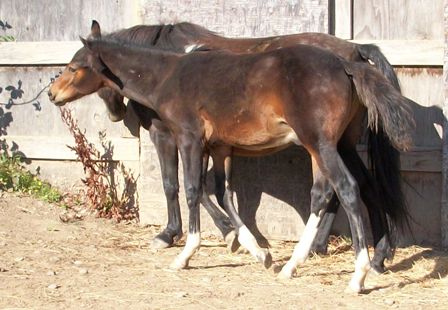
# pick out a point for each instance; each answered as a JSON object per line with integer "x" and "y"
{"x": 384, "y": 159}
{"x": 373, "y": 54}
{"x": 391, "y": 123}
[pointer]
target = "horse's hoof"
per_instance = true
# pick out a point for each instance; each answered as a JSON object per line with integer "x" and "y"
{"x": 285, "y": 274}
{"x": 178, "y": 264}
{"x": 378, "y": 269}
{"x": 158, "y": 244}
{"x": 265, "y": 258}
{"x": 354, "y": 288}
{"x": 232, "y": 242}
{"x": 319, "y": 249}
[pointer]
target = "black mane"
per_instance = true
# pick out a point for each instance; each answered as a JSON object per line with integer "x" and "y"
{"x": 166, "y": 37}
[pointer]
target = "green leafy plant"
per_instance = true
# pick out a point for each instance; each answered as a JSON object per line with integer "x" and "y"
{"x": 7, "y": 38}
{"x": 15, "y": 177}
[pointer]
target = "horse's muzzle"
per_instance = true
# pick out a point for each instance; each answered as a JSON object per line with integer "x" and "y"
{"x": 53, "y": 99}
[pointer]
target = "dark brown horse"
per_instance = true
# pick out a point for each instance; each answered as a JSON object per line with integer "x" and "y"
{"x": 222, "y": 103}
{"x": 185, "y": 36}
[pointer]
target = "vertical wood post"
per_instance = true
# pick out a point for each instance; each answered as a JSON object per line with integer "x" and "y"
{"x": 343, "y": 19}
{"x": 444, "y": 201}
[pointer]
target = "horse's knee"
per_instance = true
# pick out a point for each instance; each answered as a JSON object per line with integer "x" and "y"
{"x": 320, "y": 198}
{"x": 192, "y": 194}
{"x": 171, "y": 190}
{"x": 349, "y": 194}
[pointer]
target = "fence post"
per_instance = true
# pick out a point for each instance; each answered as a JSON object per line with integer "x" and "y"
{"x": 444, "y": 201}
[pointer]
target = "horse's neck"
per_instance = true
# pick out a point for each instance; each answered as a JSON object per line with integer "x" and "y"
{"x": 141, "y": 73}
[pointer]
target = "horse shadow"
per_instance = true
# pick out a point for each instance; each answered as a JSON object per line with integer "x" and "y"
{"x": 439, "y": 271}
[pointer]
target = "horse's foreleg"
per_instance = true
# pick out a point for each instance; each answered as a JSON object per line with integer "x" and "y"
{"x": 114, "y": 103}
{"x": 191, "y": 151}
{"x": 219, "y": 218}
{"x": 168, "y": 158}
{"x": 222, "y": 165}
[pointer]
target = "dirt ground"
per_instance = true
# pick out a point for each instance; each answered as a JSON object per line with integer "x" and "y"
{"x": 97, "y": 264}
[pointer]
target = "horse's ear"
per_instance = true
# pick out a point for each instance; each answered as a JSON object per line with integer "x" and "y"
{"x": 95, "y": 30}
{"x": 87, "y": 44}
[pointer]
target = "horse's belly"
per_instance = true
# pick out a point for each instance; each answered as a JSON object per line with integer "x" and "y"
{"x": 265, "y": 139}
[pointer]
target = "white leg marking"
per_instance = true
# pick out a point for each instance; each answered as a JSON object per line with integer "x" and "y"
{"x": 193, "y": 243}
{"x": 362, "y": 266}
{"x": 302, "y": 249}
{"x": 248, "y": 241}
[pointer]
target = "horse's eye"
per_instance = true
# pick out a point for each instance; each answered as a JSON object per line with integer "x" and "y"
{"x": 71, "y": 69}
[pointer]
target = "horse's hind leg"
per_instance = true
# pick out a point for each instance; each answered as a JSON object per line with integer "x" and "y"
{"x": 347, "y": 190}
{"x": 335, "y": 171}
{"x": 371, "y": 199}
{"x": 219, "y": 218}
{"x": 222, "y": 167}
{"x": 321, "y": 193}
{"x": 320, "y": 244}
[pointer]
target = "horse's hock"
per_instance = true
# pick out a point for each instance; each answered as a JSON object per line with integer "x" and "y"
{"x": 274, "y": 190}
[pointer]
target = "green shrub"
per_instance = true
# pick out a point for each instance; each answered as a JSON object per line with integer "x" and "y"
{"x": 15, "y": 177}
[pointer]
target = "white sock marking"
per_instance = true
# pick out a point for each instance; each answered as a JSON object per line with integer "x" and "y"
{"x": 362, "y": 266}
{"x": 302, "y": 249}
{"x": 247, "y": 240}
{"x": 193, "y": 243}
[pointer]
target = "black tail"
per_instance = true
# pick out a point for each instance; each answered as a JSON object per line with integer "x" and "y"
{"x": 384, "y": 159}
{"x": 391, "y": 123}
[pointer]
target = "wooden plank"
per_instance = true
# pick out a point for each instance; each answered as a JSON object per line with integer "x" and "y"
{"x": 55, "y": 148}
{"x": 38, "y": 53}
{"x": 398, "y": 52}
{"x": 343, "y": 19}
{"x": 241, "y": 18}
{"x": 49, "y": 20}
{"x": 398, "y": 19}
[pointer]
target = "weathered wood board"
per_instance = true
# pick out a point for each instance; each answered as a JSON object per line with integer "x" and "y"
{"x": 239, "y": 18}
{"x": 48, "y": 20}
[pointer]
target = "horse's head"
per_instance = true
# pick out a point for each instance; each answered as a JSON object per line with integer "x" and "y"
{"x": 76, "y": 81}
{"x": 80, "y": 79}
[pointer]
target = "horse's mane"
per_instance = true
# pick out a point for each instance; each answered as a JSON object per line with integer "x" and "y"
{"x": 162, "y": 36}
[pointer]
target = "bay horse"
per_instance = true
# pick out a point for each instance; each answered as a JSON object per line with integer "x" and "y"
{"x": 184, "y": 37}
{"x": 220, "y": 103}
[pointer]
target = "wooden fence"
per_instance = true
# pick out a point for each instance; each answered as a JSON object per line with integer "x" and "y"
{"x": 273, "y": 190}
